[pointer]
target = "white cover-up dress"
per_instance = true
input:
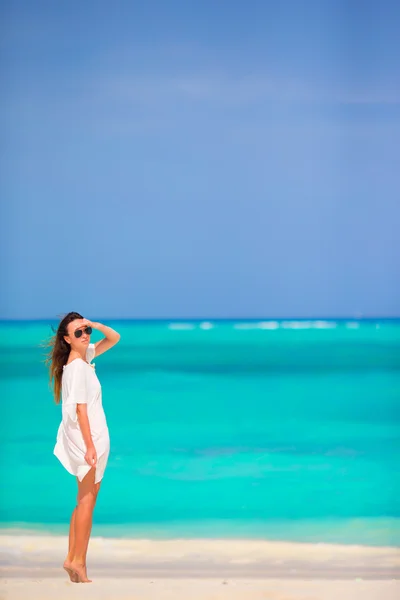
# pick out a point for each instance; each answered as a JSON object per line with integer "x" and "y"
{"x": 80, "y": 385}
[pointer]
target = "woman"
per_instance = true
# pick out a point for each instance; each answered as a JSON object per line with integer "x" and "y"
{"x": 83, "y": 441}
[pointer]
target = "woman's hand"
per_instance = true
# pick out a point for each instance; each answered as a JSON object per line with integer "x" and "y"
{"x": 91, "y": 456}
{"x": 87, "y": 323}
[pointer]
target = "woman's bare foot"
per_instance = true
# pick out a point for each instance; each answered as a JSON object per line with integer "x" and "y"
{"x": 72, "y": 575}
{"x": 79, "y": 570}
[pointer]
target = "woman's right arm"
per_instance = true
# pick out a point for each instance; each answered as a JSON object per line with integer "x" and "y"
{"x": 83, "y": 419}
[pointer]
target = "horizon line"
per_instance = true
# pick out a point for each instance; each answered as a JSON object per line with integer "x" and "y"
{"x": 208, "y": 319}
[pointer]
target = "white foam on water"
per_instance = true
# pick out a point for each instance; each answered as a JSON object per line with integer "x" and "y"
{"x": 269, "y": 325}
{"x": 297, "y": 324}
{"x": 324, "y": 324}
{"x": 181, "y": 326}
{"x": 260, "y": 325}
{"x": 206, "y": 325}
{"x": 286, "y": 325}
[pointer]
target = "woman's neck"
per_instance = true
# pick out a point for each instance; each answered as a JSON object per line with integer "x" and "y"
{"x": 75, "y": 354}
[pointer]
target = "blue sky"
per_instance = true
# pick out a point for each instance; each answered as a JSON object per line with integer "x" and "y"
{"x": 200, "y": 159}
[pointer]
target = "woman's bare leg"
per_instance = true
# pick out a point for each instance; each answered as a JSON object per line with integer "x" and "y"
{"x": 71, "y": 539}
{"x": 87, "y": 495}
{"x": 71, "y": 549}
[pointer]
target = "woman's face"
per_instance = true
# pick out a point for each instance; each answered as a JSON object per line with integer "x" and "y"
{"x": 77, "y": 343}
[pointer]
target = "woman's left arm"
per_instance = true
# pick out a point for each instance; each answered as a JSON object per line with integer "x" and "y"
{"x": 112, "y": 337}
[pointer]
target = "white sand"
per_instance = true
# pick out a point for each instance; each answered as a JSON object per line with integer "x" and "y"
{"x": 199, "y": 589}
{"x": 200, "y": 570}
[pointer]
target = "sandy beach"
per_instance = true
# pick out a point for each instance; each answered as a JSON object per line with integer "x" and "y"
{"x": 199, "y": 569}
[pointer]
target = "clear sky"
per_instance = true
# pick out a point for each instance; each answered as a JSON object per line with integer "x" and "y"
{"x": 213, "y": 158}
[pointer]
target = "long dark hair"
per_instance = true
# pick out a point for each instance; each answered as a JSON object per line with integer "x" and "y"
{"x": 58, "y": 353}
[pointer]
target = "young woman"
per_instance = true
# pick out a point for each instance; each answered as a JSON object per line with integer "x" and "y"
{"x": 83, "y": 441}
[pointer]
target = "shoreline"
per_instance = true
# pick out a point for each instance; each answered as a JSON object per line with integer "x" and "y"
{"x": 202, "y": 557}
{"x": 377, "y": 532}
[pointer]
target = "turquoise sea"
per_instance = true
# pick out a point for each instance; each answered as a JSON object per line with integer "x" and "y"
{"x": 276, "y": 429}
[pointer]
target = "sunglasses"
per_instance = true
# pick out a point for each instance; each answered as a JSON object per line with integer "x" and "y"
{"x": 78, "y": 333}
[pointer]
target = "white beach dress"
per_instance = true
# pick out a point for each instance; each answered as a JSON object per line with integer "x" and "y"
{"x": 80, "y": 385}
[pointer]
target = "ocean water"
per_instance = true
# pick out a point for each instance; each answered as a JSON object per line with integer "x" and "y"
{"x": 255, "y": 429}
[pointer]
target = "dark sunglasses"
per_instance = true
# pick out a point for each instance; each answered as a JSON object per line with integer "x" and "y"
{"x": 78, "y": 333}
